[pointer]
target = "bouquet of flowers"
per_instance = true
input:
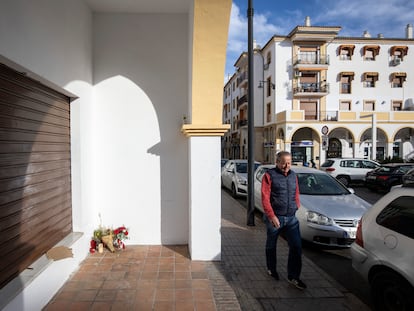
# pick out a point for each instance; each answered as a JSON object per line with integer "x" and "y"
{"x": 111, "y": 238}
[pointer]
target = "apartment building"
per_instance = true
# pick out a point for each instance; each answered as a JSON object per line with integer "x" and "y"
{"x": 323, "y": 96}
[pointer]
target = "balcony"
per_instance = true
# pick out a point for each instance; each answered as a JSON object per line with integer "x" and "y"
{"x": 241, "y": 101}
{"x": 242, "y": 123}
{"x": 310, "y": 60}
{"x": 344, "y": 116}
{"x": 242, "y": 78}
{"x": 311, "y": 89}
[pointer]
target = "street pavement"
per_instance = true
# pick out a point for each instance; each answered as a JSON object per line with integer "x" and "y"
{"x": 243, "y": 269}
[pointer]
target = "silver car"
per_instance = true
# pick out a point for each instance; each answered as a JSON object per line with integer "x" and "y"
{"x": 234, "y": 176}
{"x": 329, "y": 212}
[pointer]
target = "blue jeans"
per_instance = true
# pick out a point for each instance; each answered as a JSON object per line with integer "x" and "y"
{"x": 289, "y": 225}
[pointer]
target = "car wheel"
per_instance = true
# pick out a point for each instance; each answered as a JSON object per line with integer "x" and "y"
{"x": 233, "y": 191}
{"x": 344, "y": 180}
{"x": 391, "y": 292}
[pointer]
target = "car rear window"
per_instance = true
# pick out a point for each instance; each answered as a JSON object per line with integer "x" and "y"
{"x": 398, "y": 216}
{"x": 328, "y": 163}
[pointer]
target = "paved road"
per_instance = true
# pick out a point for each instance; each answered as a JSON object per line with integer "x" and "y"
{"x": 337, "y": 262}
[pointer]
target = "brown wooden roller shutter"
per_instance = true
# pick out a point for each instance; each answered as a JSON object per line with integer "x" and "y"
{"x": 35, "y": 180}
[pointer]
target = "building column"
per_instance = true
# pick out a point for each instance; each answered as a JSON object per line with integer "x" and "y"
{"x": 208, "y": 39}
{"x": 390, "y": 149}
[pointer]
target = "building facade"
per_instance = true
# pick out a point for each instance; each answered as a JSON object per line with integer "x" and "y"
{"x": 332, "y": 96}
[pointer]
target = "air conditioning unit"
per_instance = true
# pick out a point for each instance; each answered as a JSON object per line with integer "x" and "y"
{"x": 396, "y": 61}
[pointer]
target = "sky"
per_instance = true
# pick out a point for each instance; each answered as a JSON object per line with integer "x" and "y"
{"x": 275, "y": 17}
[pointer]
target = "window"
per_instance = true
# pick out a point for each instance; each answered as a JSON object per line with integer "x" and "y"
{"x": 369, "y": 105}
{"x": 268, "y": 112}
{"x": 269, "y": 86}
{"x": 234, "y": 104}
{"x": 268, "y": 57}
{"x": 398, "y": 52}
{"x": 370, "y": 52}
{"x": 345, "y": 105}
{"x": 370, "y": 78}
{"x": 396, "y": 105}
{"x": 310, "y": 109}
{"x": 397, "y": 79}
{"x": 345, "y": 52}
{"x": 398, "y": 216}
{"x": 346, "y": 79}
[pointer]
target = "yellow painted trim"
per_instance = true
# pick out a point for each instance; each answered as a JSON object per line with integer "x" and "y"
{"x": 211, "y": 20}
{"x": 204, "y": 130}
{"x": 403, "y": 116}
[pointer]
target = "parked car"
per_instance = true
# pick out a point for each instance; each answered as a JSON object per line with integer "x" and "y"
{"x": 383, "y": 252}
{"x": 234, "y": 176}
{"x": 387, "y": 176}
{"x": 223, "y": 162}
{"x": 408, "y": 179}
{"x": 329, "y": 212}
{"x": 350, "y": 170}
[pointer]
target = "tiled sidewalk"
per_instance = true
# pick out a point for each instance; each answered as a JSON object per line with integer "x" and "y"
{"x": 138, "y": 278}
{"x": 164, "y": 278}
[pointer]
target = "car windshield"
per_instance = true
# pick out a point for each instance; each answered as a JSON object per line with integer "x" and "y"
{"x": 242, "y": 167}
{"x": 320, "y": 184}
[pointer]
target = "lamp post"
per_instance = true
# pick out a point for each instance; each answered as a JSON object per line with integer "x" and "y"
{"x": 373, "y": 135}
{"x": 250, "y": 124}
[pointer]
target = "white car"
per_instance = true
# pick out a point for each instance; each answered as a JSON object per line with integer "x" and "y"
{"x": 348, "y": 170}
{"x": 329, "y": 212}
{"x": 234, "y": 176}
{"x": 383, "y": 252}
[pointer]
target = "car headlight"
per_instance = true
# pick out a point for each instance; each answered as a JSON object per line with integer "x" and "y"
{"x": 319, "y": 219}
{"x": 242, "y": 181}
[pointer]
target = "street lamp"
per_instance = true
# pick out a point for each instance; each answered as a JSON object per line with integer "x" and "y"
{"x": 373, "y": 135}
{"x": 262, "y": 83}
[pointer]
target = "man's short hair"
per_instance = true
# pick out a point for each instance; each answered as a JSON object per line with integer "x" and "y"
{"x": 281, "y": 155}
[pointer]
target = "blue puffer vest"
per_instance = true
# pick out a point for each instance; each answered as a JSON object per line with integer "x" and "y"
{"x": 282, "y": 197}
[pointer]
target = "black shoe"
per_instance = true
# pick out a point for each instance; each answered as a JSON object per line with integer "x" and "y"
{"x": 297, "y": 283}
{"x": 273, "y": 274}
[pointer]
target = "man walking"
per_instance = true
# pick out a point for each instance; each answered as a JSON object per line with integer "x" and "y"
{"x": 280, "y": 199}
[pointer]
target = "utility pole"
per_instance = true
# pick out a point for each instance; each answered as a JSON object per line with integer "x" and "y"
{"x": 250, "y": 119}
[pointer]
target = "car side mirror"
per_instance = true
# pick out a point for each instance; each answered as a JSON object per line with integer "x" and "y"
{"x": 351, "y": 190}
{"x": 231, "y": 170}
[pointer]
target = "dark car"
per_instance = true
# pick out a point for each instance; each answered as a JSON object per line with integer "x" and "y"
{"x": 408, "y": 179}
{"x": 387, "y": 176}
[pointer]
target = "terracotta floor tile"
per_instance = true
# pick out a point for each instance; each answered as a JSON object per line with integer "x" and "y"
{"x": 164, "y": 306}
{"x": 166, "y": 267}
{"x": 149, "y": 275}
{"x": 164, "y": 294}
{"x": 101, "y": 306}
{"x": 92, "y": 284}
{"x": 183, "y": 284}
{"x": 65, "y": 295}
{"x": 106, "y": 295}
{"x": 145, "y": 294}
{"x": 143, "y": 305}
{"x": 202, "y": 294}
{"x": 80, "y": 306}
{"x": 199, "y": 275}
{"x": 167, "y": 260}
{"x": 111, "y": 285}
{"x": 182, "y": 275}
{"x": 116, "y": 275}
{"x": 182, "y": 267}
{"x": 166, "y": 284}
{"x": 165, "y": 275}
{"x": 150, "y": 267}
{"x": 149, "y": 284}
{"x": 126, "y": 295}
{"x": 56, "y": 306}
{"x": 87, "y": 295}
{"x": 201, "y": 284}
{"x": 74, "y": 285}
{"x": 198, "y": 266}
{"x": 184, "y": 294}
{"x": 205, "y": 306}
{"x": 120, "y": 267}
{"x": 184, "y": 306}
{"x": 122, "y": 306}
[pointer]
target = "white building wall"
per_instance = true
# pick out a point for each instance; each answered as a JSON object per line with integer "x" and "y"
{"x": 141, "y": 156}
{"x": 283, "y": 71}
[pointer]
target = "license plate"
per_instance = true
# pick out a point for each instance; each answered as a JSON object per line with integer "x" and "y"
{"x": 350, "y": 233}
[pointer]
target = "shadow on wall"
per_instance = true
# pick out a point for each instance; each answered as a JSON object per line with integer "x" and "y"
{"x": 141, "y": 94}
